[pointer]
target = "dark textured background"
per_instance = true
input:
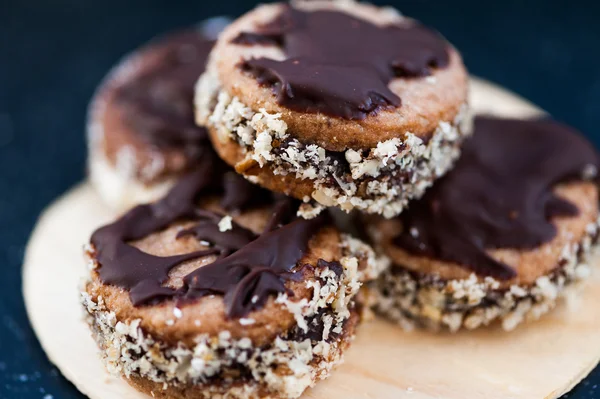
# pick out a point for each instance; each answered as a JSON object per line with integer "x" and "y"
{"x": 53, "y": 53}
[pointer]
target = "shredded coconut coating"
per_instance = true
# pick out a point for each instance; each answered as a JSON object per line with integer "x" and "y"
{"x": 380, "y": 180}
{"x": 118, "y": 188}
{"x": 427, "y": 301}
{"x": 283, "y": 369}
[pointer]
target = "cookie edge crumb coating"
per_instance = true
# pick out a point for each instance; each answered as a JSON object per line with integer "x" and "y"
{"x": 254, "y": 133}
{"x": 119, "y": 189}
{"x": 183, "y": 372}
{"x": 415, "y": 300}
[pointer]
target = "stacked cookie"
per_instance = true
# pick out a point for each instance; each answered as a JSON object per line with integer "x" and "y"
{"x": 218, "y": 289}
{"x": 498, "y": 238}
{"x": 233, "y": 279}
{"x": 341, "y": 103}
{"x": 141, "y": 132}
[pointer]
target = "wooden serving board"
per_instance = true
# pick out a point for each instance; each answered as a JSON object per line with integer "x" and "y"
{"x": 537, "y": 361}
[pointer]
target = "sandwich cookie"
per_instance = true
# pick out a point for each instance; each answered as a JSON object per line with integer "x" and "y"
{"x": 141, "y": 131}
{"x": 219, "y": 289}
{"x": 501, "y": 236}
{"x": 339, "y": 103}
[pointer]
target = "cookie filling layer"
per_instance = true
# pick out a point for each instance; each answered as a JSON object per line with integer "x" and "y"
{"x": 295, "y": 361}
{"x": 339, "y": 64}
{"x": 378, "y": 180}
{"x": 499, "y": 195}
{"x": 413, "y": 299}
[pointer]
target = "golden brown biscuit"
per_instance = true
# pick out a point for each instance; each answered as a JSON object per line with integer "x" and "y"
{"x": 500, "y": 236}
{"x": 334, "y": 102}
{"x": 219, "y": 289}
{"x": 141, "y": 130}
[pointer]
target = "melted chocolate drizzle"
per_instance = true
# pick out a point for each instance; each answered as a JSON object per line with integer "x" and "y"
{"x": 338, "y": 64}
{"x": 499, "y": 195}
{"x": 248, "y": 267}
{"x": 158, "y": 103}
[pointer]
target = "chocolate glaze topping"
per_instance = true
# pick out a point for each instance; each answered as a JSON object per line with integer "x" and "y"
{"x": 247, "y": 266}
{"x": 338, "y": 64}
{"x": 499, "y": 195}
{"x": 158, "y": 102}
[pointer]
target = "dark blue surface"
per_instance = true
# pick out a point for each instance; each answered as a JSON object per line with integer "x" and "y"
{"x": 54, "y": 53}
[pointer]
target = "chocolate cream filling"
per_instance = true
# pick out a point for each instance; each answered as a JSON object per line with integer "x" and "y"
{"x": 499, "y": 195}
{"x": 338, "y": 64}
{"x": 249, "y": 267}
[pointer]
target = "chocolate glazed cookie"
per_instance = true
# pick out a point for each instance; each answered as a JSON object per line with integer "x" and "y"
{"x": 341, "y": 103}
{"x": 141, "y": 131}
{"x": 219, "y": 289}
{"x": 499, "y": 237}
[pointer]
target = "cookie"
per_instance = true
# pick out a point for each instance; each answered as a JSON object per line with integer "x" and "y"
{"x": 219, "y": 289}
{"x": 141, "y": 131}
{"x": 339, "y": 103}
{"x": 501, "y": 236}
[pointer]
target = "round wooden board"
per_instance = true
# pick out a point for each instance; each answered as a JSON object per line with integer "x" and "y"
{"x": 537, "y": 361}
